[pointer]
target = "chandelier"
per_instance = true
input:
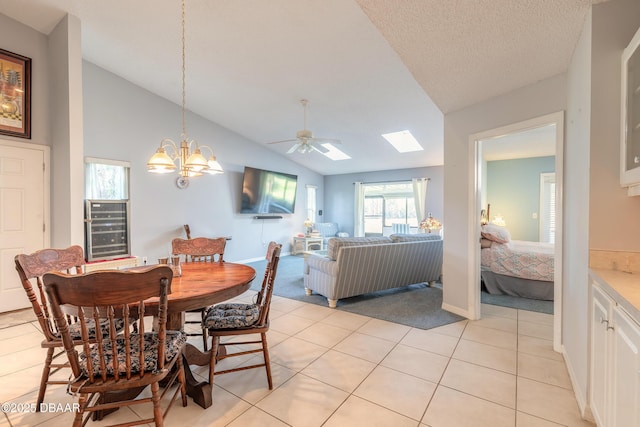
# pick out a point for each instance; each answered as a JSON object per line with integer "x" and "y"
{"x": 188, "y": 154}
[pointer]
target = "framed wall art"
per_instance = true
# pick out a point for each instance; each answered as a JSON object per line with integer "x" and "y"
{"x": 15, "y": 95}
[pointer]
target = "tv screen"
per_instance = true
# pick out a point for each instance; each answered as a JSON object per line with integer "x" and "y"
{"x": 266, "y": 191}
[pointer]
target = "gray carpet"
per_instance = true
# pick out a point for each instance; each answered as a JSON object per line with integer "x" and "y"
{"x": 517, "y": 302}
{"x": 416, "y": 305}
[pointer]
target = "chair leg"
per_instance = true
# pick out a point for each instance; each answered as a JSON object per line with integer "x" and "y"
{"x": 82, "y": 402}
{"x": 45, "y": 377}
{"x": 267, "y": 362}
{"x": 205, "y": 335}
{"x": 215, "y": 342}
{"x": 157, "y": 410}
{"x": 183, "y": 380}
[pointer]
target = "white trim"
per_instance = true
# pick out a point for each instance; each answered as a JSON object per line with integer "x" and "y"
{"x": 583, "y": 406}
{"x": 475, "y": 164}
{"x": 544, "y": 179}
{"x": 111, "y": 162}
{"x": 457, "y": 310}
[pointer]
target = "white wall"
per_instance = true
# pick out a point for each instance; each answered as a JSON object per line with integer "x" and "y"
{"x": 576, "y": 213}
{"x": 124, "y": 122}
{"x": 614, "y": 24}
{"x": 65, "y": 79}
{"x": 545, "y": 97}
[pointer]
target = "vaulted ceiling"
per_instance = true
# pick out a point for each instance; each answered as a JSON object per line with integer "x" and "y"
{"x": 367, "y": 66}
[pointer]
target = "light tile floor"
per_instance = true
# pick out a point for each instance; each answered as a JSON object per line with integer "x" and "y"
{"x": 332, "y": 368}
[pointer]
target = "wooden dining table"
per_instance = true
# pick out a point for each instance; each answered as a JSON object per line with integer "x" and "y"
{"x": 201, "y": 285}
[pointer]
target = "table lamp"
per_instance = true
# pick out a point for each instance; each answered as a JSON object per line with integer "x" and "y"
{"x": 308, "y": 224}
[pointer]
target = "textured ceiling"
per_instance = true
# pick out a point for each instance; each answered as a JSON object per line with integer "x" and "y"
{"x": 465, "y": 51}
{"x": 367, "y": 66}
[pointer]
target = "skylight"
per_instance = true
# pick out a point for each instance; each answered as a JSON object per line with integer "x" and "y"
{"x": 403, "y": 141}
{"x": 335, "y": 154}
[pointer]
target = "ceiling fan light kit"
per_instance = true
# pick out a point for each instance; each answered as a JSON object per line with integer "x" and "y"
{"x": 305, "y": 142}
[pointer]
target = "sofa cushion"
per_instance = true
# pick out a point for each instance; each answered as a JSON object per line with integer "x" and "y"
{"x": 334, "y": 245}
{"x": 414, "y": 237}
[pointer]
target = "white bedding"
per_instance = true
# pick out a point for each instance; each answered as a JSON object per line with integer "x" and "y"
{"x": 518, "y": 258}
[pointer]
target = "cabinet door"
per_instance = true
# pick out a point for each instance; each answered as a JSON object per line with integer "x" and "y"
{"x": 625, "y": 371}
{"x": 600, "y": 318}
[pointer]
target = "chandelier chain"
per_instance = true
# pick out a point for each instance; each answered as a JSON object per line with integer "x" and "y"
{"x": 184, "y": 91}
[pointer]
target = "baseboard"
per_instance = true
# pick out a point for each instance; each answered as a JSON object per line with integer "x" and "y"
{"x": 248, "y": 260}
{"x": 456, "y": 310}
{"x": 581, "y": 398}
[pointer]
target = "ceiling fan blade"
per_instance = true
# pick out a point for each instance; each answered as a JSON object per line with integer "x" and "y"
{"x": 293, "y": 148}
{"x": 319, "y": 148}
{"x": 284, "y": 140}
{"x": 327, "y": 140}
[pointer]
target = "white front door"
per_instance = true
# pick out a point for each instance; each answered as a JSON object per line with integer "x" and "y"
{"x": 22, "y": 214}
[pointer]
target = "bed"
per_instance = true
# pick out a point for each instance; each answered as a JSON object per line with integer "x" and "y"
{"x": 516, "y": 267}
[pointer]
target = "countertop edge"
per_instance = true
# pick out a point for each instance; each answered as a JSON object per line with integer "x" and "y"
{"x": 623, "y": 287}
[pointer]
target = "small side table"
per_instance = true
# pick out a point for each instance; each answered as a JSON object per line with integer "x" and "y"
{"x": 305, "y": 244}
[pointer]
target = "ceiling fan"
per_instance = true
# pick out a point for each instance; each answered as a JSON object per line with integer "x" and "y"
{"x": 305, "y": 142}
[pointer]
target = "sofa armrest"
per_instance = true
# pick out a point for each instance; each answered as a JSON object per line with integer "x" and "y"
{"x": 321, "y": 263}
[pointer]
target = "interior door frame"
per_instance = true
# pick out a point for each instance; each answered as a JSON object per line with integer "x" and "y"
{"x": 474, "y": 213}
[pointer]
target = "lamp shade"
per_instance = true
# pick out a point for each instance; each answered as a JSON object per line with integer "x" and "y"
{"x": 430, "y": 223}
{"x": 196, "y": 161}
{"x": 160, "y": 162}
{"x": 214, "y": 166}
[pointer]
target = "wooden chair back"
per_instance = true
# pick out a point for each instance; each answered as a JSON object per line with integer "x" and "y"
{"x": 106, "y": 298}
{"x": 263, "y": 298}
{"x": 31, "y": 268}
{"x": 199, "y": 249}
{"x": 119, "y": 358}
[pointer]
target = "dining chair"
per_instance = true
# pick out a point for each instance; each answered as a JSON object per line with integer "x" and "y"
{"x": 31, "y": 268}
{"x": 199, "y": 249}
{"x": 119, "y": 361}
{"x": 232, "y": 319}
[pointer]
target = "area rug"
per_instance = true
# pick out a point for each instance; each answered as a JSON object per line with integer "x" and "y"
{"x": 517, "y": 302}
{"x": 416, "y": 305}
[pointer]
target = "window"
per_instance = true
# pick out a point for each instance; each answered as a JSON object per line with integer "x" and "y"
{"x": 386, "y": 204}
{"x": 311, "y": 202}
{"x": 547, "y": 207}
{"x": 106, "y": 179}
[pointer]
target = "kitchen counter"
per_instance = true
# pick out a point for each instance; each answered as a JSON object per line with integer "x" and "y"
{"x": 623, "y": 287}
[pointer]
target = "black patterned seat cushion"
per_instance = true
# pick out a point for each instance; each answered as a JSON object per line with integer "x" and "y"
{"x": 76, "y": 333}
{"x": 174, "y": 342}
{"x": 231, "y": 315}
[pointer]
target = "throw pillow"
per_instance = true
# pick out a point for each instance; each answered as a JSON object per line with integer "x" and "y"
{"x": 496, "y": 233}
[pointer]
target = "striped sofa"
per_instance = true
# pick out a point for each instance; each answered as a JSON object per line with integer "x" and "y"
{"x": 359, "y": 265}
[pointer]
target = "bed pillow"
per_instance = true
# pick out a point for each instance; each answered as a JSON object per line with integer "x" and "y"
{"x": 496, "y": 233}
{"x": 485, "y": 243}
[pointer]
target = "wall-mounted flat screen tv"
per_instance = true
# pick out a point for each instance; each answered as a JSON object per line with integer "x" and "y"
{"x": 268, "y": 192}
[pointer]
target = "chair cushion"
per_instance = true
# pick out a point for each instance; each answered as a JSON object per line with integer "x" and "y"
{"x": 173, "y": 345}
{"x": 76, "y": 334}
{"x": 231, "y": 315}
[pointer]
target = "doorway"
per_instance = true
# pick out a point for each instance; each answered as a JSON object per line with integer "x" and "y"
{"x": 478, "y": 142}
{"x": 24, "y": 209}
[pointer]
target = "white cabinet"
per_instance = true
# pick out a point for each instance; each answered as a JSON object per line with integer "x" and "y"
{"x": 600, "y": 314}
{"x": 625, "y": 372}
{"x": 614, "y": 390}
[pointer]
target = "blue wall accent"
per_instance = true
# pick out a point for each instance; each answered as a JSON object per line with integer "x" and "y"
{"x": 513, "y": 190}
{"x": 339, "y": 192}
